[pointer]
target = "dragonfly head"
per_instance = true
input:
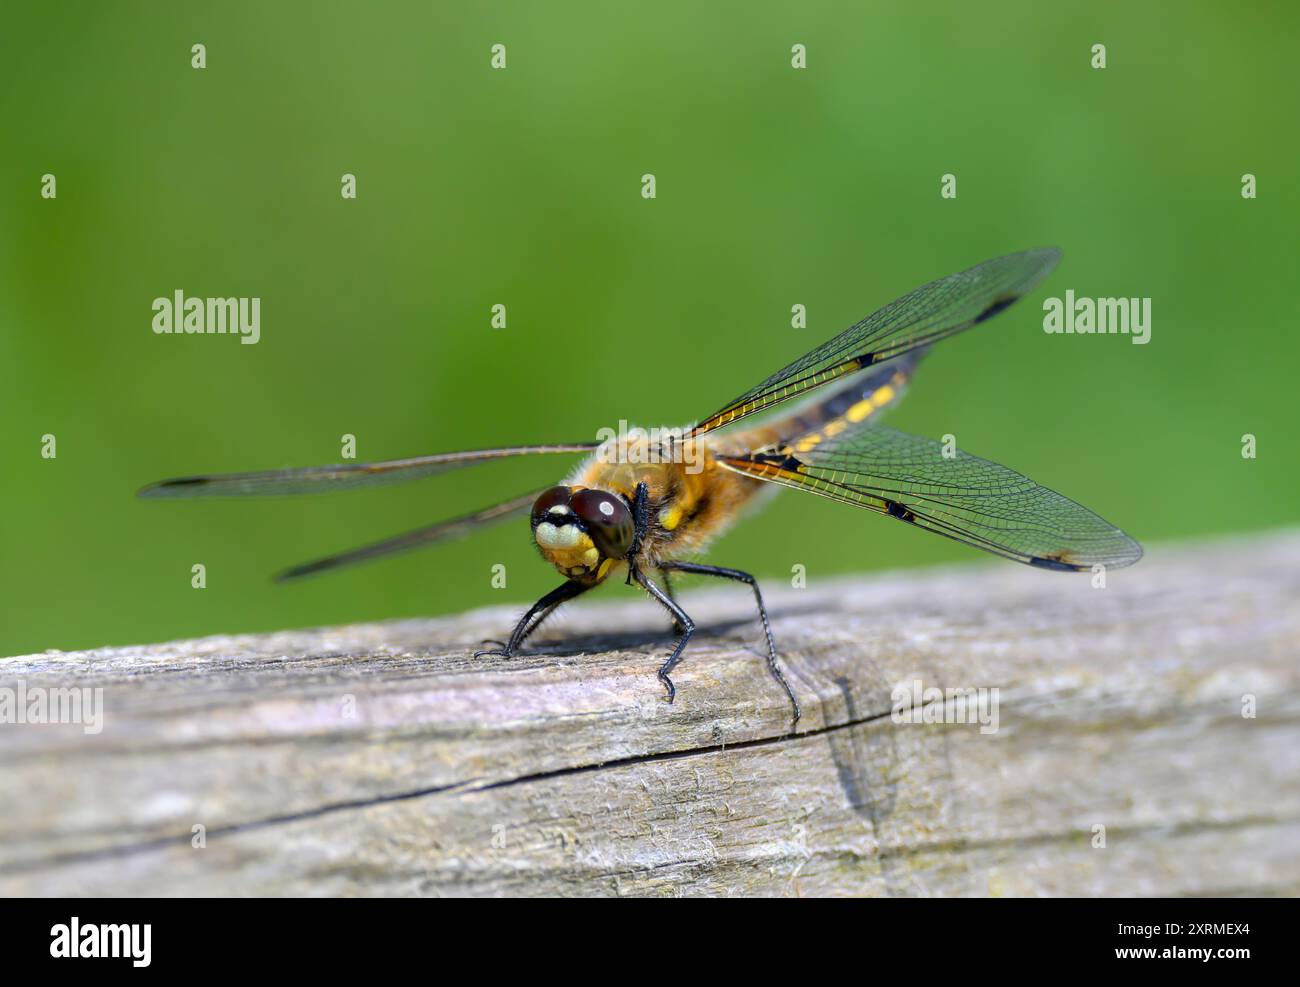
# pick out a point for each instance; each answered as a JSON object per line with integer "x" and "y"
{"x": 582, "y": 530}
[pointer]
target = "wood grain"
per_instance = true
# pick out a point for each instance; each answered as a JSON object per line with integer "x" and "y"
{"x": 382, "y": 759}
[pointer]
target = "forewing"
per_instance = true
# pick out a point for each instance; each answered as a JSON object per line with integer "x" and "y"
{"x": 442, "y": 531}
{"x": 968, "y": 499}
{"x": 924, "y": 316}
{"x": 318, "y": 479}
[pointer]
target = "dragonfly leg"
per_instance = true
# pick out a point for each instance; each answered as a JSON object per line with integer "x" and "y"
{"x": 641, "y": 524}
{"x": 540, "y": 610}
{"x": 679, "y": 615}
{"x": 744, "y": 577}
{"x": 678, "y": 627}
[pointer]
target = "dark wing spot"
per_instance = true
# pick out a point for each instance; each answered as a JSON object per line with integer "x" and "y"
{"x": 1055, "y": 563}
{"x": 183, "y": 481}
{"x": 781, "y": 461}
{"x": 997, "y": 306}
{"x": 900, "y": 511}
{"x": 164, "y": 487}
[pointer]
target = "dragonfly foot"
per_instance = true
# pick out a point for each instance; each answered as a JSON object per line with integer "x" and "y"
{"x": 668, "y": 685}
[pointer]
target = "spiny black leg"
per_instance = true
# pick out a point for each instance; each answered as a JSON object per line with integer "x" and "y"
{"x": 668, "y": 588}
{"x": 543, "y": 607}
{"x": 532, "y": 628}
{"x": 641, "y": 524}
{"x": 744, "y": 577}
{"x": 680, "y": 615}
{"x": 560, "y": 595}
{"x": 668, "y": 584}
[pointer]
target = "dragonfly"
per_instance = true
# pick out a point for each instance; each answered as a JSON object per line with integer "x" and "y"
{"x": 646, "y": 504}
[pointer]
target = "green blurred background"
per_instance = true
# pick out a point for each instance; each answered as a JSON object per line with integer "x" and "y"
{"x": 522, "y": 186}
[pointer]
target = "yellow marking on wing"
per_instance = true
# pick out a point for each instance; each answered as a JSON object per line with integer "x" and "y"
{"x": 777, "y": 395}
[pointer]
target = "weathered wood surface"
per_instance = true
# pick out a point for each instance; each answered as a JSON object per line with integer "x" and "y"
{"x": 565, "y": 772}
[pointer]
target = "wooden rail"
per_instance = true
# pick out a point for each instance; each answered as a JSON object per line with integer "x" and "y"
{"x": 382, "y": 759}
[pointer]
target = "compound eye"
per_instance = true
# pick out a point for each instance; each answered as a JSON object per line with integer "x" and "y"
{"x": 555, "y": 497}
{"x": 607, "y": 520}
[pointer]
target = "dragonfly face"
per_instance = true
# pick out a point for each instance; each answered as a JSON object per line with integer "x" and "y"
{"x": 648, "y": 513}
{"x": 582, "y": 532}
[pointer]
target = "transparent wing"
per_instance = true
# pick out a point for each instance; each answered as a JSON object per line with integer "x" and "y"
{"x": 924, "y": 316}
{"x": 968, "y": 499}
{"x": 442, "y": 531}
{"x": 317, "y": 479}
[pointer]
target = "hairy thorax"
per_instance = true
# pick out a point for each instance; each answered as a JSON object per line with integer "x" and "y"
{"x": 692, "y": 498}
